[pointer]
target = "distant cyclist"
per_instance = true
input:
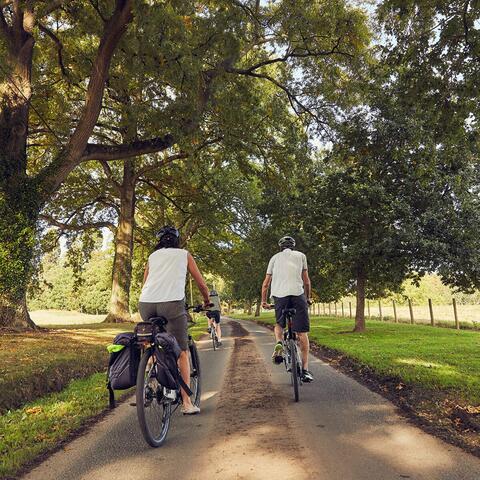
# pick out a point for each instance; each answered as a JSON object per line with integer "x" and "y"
{"x": 163, "y": 294}
{"x": 213, "y": 315}
{"x": 287, "y": 273}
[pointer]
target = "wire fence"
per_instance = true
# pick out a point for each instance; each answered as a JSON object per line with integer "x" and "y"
{"x": 453, "y": 315}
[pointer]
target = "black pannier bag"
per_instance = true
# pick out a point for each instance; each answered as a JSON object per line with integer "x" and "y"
{"x": 123, "y": 364}
{"x": 167, "y": 352}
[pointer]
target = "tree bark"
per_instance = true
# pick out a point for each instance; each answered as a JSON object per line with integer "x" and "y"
{"x": 14, "y": 314}
{"x": 257, "y": 308}
{"x": 360, "y": 310}
{"x": 122, "y": 263}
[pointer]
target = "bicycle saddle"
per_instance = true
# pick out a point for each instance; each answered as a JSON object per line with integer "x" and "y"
{"x": 160, "y": 321}
{"x": 289, "y": 311}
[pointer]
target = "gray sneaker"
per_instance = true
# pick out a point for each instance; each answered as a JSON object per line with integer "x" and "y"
{"x": 307, "y": 377}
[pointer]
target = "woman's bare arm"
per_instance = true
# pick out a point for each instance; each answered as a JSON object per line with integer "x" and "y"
{"x": 197, "y": 276}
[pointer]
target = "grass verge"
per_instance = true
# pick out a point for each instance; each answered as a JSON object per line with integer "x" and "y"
{"x": 33, "y": 364}
{"x": 42, "y": 425}
{"x": 433, "y": 374}
{"x": 29, "y": 433}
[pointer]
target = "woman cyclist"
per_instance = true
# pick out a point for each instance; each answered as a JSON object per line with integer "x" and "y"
{"x": 163, "y": 294}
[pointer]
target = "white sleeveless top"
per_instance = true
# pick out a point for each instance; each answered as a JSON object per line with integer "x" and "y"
{"x": 167, "y": 273}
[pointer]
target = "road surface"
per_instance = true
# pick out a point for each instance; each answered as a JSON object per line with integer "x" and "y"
{"x": 251, "y": 429}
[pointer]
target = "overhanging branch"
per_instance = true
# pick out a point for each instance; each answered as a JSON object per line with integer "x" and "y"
{"x": 77, "y": 227}
{"x": 96, "y": 151}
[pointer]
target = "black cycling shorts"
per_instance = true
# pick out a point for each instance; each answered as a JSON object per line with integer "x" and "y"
{"x": 301, "y": 321}
{"x": 214, "y": 315}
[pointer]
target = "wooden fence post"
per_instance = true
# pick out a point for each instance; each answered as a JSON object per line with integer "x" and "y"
{"x": 343, "y": 313}
{"x": 457, "y": 323}
{"x": 335, "y": 308}
{"x": 395, "y": 311}
{"x": 380, "y": 309}
{"x": 412, "y": 321}
{"x": 324, "y": 311}
{"x": 430, "y": 307}
{"x": 350, "y": 305}
{"x": 368, "y": 308}
{"x": 330, "y": 309}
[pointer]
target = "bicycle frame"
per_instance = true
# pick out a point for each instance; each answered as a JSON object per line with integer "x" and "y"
{"x": 291, "y": 356}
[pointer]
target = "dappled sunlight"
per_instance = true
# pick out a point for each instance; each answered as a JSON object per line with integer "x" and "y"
{"x": 417, "y": 362}
{"x": 398, "y": 445}
{"x": 207, "y": 395}
{"x": 442, "y": 369}
{"x": 252, "y": 455}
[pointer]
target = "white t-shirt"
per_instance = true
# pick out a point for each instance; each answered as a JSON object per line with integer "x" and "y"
{"x": 167, "y": 273}
{"x": 286, "y": 269}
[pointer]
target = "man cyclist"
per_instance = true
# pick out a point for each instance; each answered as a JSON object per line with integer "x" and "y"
{"x": 213, "y": 315}
{"x": 287, "y": 273}
{"x": 163, "y": 294}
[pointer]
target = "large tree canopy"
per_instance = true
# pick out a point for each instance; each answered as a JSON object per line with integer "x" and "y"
{"x": 151, "y": 71}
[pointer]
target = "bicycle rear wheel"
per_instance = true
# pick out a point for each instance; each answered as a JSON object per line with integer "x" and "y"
{"x": 214, "y": 339}
{"x": 294, "y": 368}
{"x": 153, "y": 409}
{"x": 195, "y": 376}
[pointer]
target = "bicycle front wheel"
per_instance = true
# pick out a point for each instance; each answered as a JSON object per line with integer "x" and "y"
{"x": 294, "y": 368}
{"x": 153, "y": 409}
{"x": 195, "y": 376}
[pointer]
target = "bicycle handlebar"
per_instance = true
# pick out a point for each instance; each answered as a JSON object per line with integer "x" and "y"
{"x": 199, "y": 308}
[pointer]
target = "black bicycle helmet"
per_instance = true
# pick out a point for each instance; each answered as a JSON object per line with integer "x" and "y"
{"x": 286, "y": 242}
{"x": 168, "y": 237}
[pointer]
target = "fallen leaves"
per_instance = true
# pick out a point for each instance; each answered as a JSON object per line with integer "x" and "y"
{"x": 34, "y": 410}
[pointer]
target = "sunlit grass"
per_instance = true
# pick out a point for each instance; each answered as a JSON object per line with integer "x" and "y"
{"x": 35, "y": 363}
{"x": 436, "y": 358}
{"x": 40, "y": 425}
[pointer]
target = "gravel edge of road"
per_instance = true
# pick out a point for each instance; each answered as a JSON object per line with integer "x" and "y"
{"x": 455, "y": 427}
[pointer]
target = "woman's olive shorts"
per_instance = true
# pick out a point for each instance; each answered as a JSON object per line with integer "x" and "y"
{"x": 174, "y": 312}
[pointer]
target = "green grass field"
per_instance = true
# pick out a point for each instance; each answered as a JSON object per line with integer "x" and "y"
{"x": 435, "y": 358}
{"x": 468, "y": 315}
{"x": 61, "y": 360}
{"x": 64, "y": 317}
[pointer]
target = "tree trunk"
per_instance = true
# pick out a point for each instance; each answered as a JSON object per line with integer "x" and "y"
{"x": 360, "y": 311}
{"x": 14, "y": 314}
{"x": 21, "y": 196}
{"x": 122, "y": 264}
{"x": 18, "y": 217}
{"x": 257, "y": 308}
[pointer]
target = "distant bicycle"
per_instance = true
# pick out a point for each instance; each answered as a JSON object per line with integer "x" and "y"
{"x": 156, "y": 403}
{"x": 214, "y": 336}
